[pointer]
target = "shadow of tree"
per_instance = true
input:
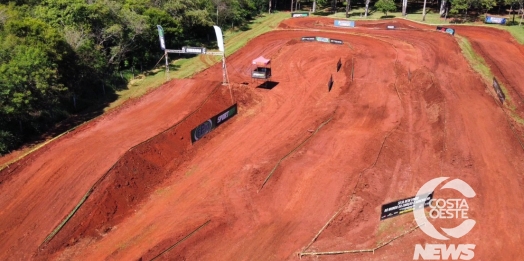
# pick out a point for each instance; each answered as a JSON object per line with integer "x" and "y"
{"x": 323, "y": 13}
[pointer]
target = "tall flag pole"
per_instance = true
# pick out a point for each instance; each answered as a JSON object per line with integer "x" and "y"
{"x": 163, "y": 44}
{"x": 220, "y": 43}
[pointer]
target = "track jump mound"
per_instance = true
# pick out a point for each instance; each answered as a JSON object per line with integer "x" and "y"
{"x": 328, "y": 24}
{"x": 384, "y": 25}
{"x": 38, "y": 191}
{"x": 135, "y": 175}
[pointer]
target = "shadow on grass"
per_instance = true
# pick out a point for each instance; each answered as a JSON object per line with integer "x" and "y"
{"x": 387, "y": 17}
{"x": 323, "y": 13}
{"x": 155, "y": 72}
{"x": 512, "y": 23}
{"x": 246, "y": 26}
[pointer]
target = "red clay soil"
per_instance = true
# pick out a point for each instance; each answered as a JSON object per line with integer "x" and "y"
{"x": 40, "y": 190}
{"x": 5, "y": 159}
{"x": 414, "y": 111}
{"x": 503, "y": 54}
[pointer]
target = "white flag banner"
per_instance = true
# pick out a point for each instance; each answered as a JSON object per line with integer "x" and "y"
{"x": 161, "y": 36}
{"x": 220, "y": 38}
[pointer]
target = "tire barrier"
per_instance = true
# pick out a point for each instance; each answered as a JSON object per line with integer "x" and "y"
{"x": 446, "y": 30}
{"x": 498, "y": 90}
{"x": 201, "y": 130}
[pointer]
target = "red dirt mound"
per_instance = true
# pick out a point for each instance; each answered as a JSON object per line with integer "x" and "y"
{"x": 136, "y": 174}
{"x": 40, "y": 190}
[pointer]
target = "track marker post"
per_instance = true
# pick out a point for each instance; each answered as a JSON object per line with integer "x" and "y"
{"x": 167, "y": 65}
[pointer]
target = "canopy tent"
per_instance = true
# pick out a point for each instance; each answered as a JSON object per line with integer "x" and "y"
{"x": 261, "y": 61}
{"x": 262, "y": 68}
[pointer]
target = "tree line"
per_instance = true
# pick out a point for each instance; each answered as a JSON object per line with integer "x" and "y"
{"x": 453, "y": 7}
{"x": 61, "y": 57}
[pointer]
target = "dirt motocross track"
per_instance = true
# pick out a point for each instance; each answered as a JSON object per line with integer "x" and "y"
{"x": 262, "y": 185}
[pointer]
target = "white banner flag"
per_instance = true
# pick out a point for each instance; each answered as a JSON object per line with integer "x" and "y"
{"x": 220, "y": 38}
{"x": 161, "y": 36}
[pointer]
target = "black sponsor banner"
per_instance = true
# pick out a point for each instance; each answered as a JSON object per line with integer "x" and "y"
{"x": 309, "y": 38}
{"x": 335, "y": 41}
{"x": 498, "y": 90}
{"x": 446, "y": 30}
{"x": 339, "y": 64}
{"x": 403, "y": 206}
{"x": 225, "y": 115}
{"x": 330, "y": 83}
{"x": 201, "y": 130}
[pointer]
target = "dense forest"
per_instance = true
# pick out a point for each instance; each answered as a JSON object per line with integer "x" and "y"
{"x": 63, "y": 57}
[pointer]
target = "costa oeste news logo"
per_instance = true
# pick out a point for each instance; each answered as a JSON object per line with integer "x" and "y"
{"x": 445, "y": 209}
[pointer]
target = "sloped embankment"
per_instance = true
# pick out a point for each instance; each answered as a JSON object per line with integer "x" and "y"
{"x": 134, "y": 176}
